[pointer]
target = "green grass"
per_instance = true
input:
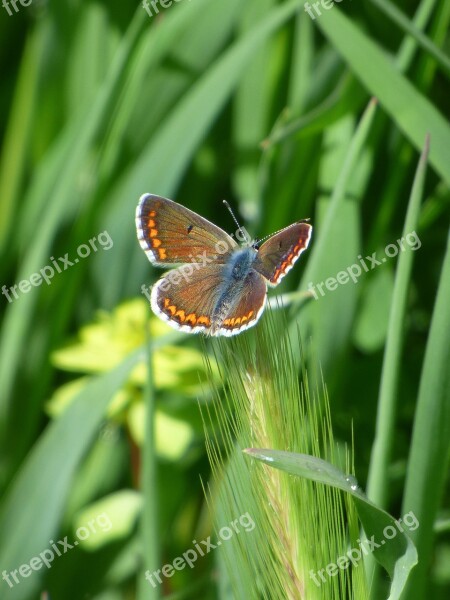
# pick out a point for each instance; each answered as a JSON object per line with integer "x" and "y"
{"x": 287, "y": 118}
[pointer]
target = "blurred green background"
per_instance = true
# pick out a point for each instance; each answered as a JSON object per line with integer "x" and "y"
{"x": 258, "y": 103}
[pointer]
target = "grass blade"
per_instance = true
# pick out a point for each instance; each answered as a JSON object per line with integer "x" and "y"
{"x": 410, "y": 110}
{"x": 148, "y": 476}
{"x": 431, "y": 435}
{"x": 402, "y": 21}
{"x": 378, "y": 483}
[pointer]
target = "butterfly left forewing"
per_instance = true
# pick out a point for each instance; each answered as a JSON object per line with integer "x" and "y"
{"x": 170, "y": 233}
{"x": 277, "y": 255}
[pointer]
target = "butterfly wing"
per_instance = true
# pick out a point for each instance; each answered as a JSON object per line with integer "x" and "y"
{"x": 172, "y": 234}
{"x": 192, "y": 302}
{"x": 187, "y": 300}
{"x": 248, "y": 309}
{"x": 277, "y": 255}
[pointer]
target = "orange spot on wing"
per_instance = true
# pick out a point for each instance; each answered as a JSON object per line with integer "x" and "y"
{"x": 180, "y": 315}
{"x": 233, "y": 322}
{"x": 162, "y": 253}
{"x": 169, "y": 307}
{"x": 203, "y": 320}
{"x": 156, "y": 243}
{"x": 153, "y": 232}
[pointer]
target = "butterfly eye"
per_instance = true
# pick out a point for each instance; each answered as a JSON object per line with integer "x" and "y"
{"x": 190, "y": 228}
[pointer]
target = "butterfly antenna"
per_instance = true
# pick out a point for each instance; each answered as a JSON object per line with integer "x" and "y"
{"x": 242, "y": 232}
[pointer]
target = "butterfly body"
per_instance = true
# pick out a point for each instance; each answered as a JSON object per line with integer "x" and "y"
{"x": 220, "y": 287}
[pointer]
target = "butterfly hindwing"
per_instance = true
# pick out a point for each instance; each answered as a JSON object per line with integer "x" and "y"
{"x": 199, "y": 302}
{"x": 172, "y": 234}
{"x": 187, "y": 302}
{"x": 249, "y": 308}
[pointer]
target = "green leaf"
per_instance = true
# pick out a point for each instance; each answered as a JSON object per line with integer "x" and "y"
{"x": 120, "y": 509}
{"x": 397, "y": 554}
{"x": 173, "y": 436}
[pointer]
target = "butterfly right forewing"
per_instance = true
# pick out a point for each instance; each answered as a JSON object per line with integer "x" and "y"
{"x": 277, "y": 255}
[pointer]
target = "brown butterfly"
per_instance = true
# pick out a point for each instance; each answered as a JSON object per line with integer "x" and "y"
{"x": 221, "y": 286}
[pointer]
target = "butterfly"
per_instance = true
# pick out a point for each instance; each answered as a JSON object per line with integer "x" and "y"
{"x": 220, "y": 287}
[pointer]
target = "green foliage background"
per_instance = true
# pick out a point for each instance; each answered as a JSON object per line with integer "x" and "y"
{"x": 260, "y": 104}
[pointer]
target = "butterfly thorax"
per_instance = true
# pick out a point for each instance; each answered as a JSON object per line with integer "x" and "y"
{"x": 240, "y": 263}
{"x": 238, "y": 268}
